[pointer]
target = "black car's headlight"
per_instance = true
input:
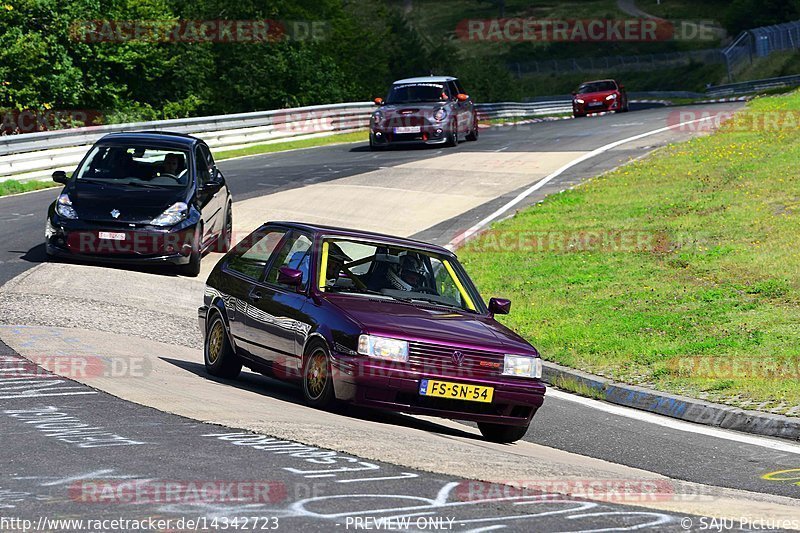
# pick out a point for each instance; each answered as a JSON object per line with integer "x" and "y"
{"x": 440, "y": 114}
{"x": 377, "y": 117}
{"x": 64, "y": 208}
{"x": 175, "y": 213}
{"x": 522, "y": 366}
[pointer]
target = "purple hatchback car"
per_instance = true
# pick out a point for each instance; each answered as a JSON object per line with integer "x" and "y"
{"x": 370, "y": 319}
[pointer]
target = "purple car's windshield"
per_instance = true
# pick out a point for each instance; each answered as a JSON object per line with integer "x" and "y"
{"x": 363, "y": 268}
{"x": 417, "y": 92}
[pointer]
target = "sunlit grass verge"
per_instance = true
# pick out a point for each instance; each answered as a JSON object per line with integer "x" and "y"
{"x": 293, "y": 145}
{"x": 15, "y": 187}
{"x": 679, "y": 272}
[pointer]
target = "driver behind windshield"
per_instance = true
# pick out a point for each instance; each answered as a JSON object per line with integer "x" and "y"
{"x": 172, "y": 164}
{"x": 410, "y": 276}
{"x": 336, "y": 261}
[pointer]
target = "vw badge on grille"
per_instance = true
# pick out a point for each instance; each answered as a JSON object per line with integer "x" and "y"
{"x": 458, "y": 358}
{"x": 115, "y": 213}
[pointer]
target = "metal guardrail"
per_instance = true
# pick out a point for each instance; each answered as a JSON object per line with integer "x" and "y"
{"x": 37, "y": 155}
{"x": 753, "y": 86}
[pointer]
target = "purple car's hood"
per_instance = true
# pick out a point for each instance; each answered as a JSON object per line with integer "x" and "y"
{"x": 437, "y": 325}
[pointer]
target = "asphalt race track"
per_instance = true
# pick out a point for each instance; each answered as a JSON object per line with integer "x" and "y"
{"x": 160, "y": 420}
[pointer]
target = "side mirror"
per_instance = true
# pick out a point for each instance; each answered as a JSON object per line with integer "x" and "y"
{"x": 574, "y": 93}
{"x": 621, "y": 87}
{"x": 290, "y": 276}
{"x": 59, "y": 176}
{"x": 378, "y": 101}
{"x": 462, "y": 97}
{"x": 211, "y": 187}
{"x": 499, "y": 306}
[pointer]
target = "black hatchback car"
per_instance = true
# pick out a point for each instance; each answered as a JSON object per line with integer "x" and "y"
{"x": 146, "y": 197}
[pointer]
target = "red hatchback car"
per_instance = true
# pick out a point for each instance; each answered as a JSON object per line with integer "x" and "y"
{"x": 598, "y": 96}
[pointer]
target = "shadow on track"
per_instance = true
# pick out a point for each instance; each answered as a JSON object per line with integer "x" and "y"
{"x": 279, "y": 390}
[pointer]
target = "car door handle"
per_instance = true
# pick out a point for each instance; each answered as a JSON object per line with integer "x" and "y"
{"x": 254, "y": 296}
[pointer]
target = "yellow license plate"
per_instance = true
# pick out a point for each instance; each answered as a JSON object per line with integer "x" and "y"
{"x": 455, "y": 391}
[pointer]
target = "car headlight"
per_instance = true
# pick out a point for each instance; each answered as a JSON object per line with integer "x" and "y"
{"x": 579, "y": 101}
{"x": 440, "y": 114}
{"x": 175, "y": 213}
{"x": 522, "y": 366}
{"x": 383, "y": 348}
{"x": 611, "y": 97}
{"x": 64, "y": 207}
{"x": 377, "y": 117}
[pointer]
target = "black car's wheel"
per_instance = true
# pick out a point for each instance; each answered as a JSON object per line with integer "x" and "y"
{"x": 578, "y": 115}
{"x": 219, "y": 356}
{"x": 502, "y": 433}
{"x": 227, "y": 232}
{"x": 473, "y": 135}
{"x": 452, "y": 137}
{"x": 192, "y": 268}
{"x": 375, "y": 146}
{"x": 317, "y": 378}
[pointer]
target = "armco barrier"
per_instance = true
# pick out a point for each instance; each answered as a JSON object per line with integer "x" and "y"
{"x": 37, "y": 155}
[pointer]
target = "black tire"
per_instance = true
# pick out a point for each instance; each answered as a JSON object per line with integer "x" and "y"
{"x": 452, "y": 137}
{"x": 578, "y": 115}
{"x": 501, "y": 433}
{"x": 192, "y": 268}
{"x": 318, "y": 378}
{"x": 226, "y": 236}
{"x": 374, "y": 146}
{"x": 473, "y": 135}
{"x": 218, "y": 354}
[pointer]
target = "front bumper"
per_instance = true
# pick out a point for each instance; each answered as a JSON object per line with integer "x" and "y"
{"x": 587, "y": 107}
{"x": 80, "y": 240}
{"x": 429, "y": 134}
{"x": 363, "y": 381}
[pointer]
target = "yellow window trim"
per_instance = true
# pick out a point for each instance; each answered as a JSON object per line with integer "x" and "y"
{"x": 323, "y": 265}
{"x": 464, "y": 295}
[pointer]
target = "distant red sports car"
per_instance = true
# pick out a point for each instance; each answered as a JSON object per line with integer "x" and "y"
{"x": 599, "y": 96}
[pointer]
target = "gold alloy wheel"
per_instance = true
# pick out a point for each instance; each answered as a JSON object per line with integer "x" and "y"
{"x": 317, "y": 374}
{"x": 215, "y": 342}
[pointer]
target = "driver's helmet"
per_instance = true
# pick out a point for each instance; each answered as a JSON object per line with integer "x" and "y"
{"x": 411, "y": 274}
{"x": 336, "y": 261}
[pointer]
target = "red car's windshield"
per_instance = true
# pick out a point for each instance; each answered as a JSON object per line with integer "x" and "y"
{"x": 597, "y": 87}
{"x": 417, "y": 92}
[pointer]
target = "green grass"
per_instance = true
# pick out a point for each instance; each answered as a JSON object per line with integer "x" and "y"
{"x": 716, "y": 281}
{"x": 293, "y": 145}
{"x": 15, "y": 187}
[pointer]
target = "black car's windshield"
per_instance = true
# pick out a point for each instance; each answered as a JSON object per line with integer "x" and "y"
{"x": 135, "y": 166}
{"x": 417, "y": 92}
{"x": 405, "y": 274}
{"x": 597, "y": 87}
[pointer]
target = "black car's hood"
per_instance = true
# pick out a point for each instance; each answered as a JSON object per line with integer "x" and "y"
{"x": 430, "y": 324}
{"x": 135, "y": 204}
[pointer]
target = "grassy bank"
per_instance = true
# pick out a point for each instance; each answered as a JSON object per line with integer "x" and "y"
{"x": 678, "y": 272}
{"x": 15, "y": 187}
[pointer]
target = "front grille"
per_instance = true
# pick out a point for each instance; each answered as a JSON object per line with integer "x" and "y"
{"x": 439, "y": 359}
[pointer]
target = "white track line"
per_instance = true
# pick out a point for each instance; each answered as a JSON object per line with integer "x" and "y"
{"x": 679, "y": 425}
{"x": 544, "y": 181}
